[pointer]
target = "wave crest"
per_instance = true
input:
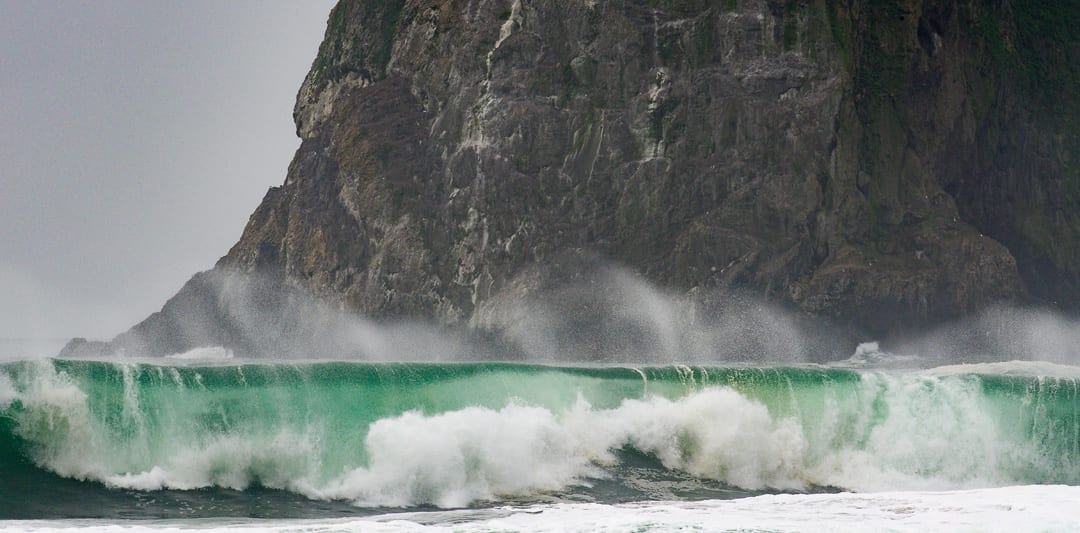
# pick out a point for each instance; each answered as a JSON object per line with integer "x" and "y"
{"x": 452, "y": 436}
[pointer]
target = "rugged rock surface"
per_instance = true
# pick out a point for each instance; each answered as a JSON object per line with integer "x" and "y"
{"x": 884, "y": 166}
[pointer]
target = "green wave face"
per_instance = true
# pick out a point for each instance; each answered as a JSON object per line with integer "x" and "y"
{"x": 451, "y": 434}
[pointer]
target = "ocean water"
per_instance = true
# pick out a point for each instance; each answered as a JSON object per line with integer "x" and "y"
{"x": 207, "y": 441}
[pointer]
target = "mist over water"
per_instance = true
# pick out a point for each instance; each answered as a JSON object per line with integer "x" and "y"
{"x": 596, "y": 313}
{"x": 12, "y": 349}
{"x": 602, "y": 314}
{"x": 999, "y": 334}
{"x": 611, "y": 315}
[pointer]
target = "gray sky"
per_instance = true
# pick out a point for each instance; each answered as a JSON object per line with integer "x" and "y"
{"x": 136, "y": 137}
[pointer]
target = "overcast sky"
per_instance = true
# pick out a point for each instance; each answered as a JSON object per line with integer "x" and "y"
{"x": 136, "y": 137}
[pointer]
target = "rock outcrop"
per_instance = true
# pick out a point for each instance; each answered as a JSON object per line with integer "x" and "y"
{"x": 883, "y": 166}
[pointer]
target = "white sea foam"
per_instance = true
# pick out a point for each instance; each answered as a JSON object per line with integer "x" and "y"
{"x": 283, "y": 461}
{"x": 456, "y": 458}
{"x": 1012, "y": 509}
{"x": 870, "y": 355}
{"x": 1035, "y": 369}
{"x": 56, "y": 419}
{"x": 930, "y": 441}
{"x": 211, "y": 353}
{"x": 1005, "y": 509}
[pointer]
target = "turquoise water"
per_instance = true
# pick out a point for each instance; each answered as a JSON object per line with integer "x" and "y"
{"x": 120, "y": 439}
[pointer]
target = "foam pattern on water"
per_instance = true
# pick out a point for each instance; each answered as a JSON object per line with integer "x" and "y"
{"x": 1008, "y": 509}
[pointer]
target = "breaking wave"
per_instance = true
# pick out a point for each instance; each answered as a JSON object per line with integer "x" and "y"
{"x": 452, "y": 434}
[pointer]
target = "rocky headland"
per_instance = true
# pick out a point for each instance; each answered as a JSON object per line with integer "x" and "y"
{"x": 877, "y": 168}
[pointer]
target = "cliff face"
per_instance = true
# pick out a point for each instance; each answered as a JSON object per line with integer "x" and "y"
{"x": 882, "y": 165}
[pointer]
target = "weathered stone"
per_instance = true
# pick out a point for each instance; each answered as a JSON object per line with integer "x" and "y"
{"x": 883, "y": 165}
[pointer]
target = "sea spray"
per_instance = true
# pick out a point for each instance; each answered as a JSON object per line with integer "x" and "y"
{"x": 452, "y": 459}
{"x": 449, "y": 435}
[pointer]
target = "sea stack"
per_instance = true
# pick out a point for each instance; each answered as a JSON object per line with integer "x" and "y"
{"x": 879, "y": 166}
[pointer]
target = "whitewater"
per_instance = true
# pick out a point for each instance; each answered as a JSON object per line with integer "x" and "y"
{"x": 207, "y": 440}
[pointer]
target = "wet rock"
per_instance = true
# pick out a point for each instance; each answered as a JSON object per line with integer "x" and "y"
{"x": 884, "y": 166}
